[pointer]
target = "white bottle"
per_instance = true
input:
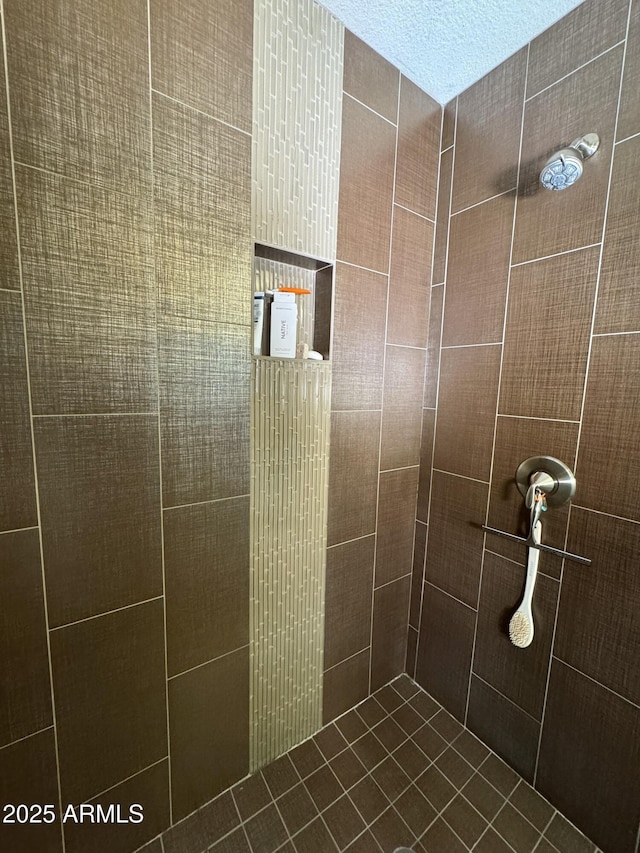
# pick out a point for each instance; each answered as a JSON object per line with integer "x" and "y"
{"x": 258, "y": 321}
{"x": 284, "y": 320}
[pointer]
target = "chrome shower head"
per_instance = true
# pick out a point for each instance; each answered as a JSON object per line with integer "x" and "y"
{"x": 565, "y": 167}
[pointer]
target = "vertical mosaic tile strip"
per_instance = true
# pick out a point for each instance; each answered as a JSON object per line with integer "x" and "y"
{"x": 289, "y": 475}
{"x": 297, "y": 116}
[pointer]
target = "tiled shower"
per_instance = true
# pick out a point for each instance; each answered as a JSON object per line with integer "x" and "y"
{"x": 477, "y": 320}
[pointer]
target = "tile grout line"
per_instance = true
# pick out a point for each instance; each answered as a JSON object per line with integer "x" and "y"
{"x": 31, "y": 421}
{"x": 207, "y": 662}
{"x": 574, "y": 70}
{"x": 461, "y": 476}
{"x": 495, "y": 421}
{"x": 204, "y": 503}
{"x": 437, "y": 378}
{"x": 415, "y": 212}
{"x": 449, "y": 595}
{"x": 586, "y": 378}
{"x": 360, "y": 267}
{"x": 625, "y": 699}
{"x": 105, "y": 613}
{"x": 384, "y": 366}
{"x": 370, "y": 109}
{"x": 471, "y": 346}
{"x": 189, "y": 106}
{"x": 504, "y": 696}
{"x": 555, "y": 255}
{"x": 159, "y": 433}
{"x": 25, "y": 737}
{"x": 355, "y": 539}
{"x": 484, "y": 201}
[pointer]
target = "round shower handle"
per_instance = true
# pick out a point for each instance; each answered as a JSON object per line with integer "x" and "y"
{"x": 557, "y": 476}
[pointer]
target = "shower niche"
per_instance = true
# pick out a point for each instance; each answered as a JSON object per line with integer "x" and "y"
{"x": 274, "y": 269}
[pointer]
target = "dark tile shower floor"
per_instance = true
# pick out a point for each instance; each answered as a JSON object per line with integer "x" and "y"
{"x": 396, "y": 771}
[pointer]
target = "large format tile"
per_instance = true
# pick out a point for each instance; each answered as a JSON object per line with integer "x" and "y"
{"x": 609, "y": 453}
{"x": 419, "y": 122}
{"x": 519, "y": 674}
{"x": 417, "y": 575}
{"x": 202, "y": 201}
{"x": 209, "y": 728}
{"x": 402, "y": 407}
{"x": 467, "y": 410}
{"x": 17, "y": 484}
{"x": 445, "y": 647}
{"x": 432, "y": 367}
{"x": 349, "y": 585}
{"x": 28, "y": 775}
{"x": 389, "y": 637}
{"x": 488, "y": 133}
{"x": 617, "y": 308}
{"x": 366, "y": 187}
{"x": 206, "y": 552}
{"x": 353, "y": 475}
{"x": 79, "y": 83}
{"x": 202, "y": 55}
{"x": 575, "y": 39}
{"x": 357, "y": 350}
{"x": 454, "y": 551}
{"x": 369, "y": 77}
{"x": 584, "y": 102}
{"x": 583, "y": 742}
{"x": 598, "y": 632}
{"x": 8, "y": 241}
{"x": 547, "y": 336}
{"x": 345, "y": 685}
{"x": 410, "y": 279}
{"x": 99, "y": 485}
{"x": 89, "y": 296}
{"x": 110, "y": 697}
{"x": 24, "y": 665}
{"x": 504, "y": 727}
{"x": 204, "y": 410}
{"x": 396, "y": 517}
{"x": 478, "y": 272}
{"x": 426, "y": 456}
{"x": 629, "y": 117}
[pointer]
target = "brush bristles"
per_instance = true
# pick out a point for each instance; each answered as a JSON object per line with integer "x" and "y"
{"x": 520, "y": 630}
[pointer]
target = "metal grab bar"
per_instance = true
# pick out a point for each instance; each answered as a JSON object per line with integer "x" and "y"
{"x": 529, "y": 540}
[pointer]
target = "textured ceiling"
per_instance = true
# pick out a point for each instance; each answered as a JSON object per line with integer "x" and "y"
{"x": 446, "y": 45}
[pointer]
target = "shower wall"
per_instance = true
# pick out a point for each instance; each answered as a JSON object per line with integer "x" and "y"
{"x": 539, "y": 349}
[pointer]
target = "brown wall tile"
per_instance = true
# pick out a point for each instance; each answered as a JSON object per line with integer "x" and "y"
{"x": 89, "y": 297}
{"x": 366, "y": 187}
{"x": 345, "y": 685}
{"x": 349, "y": 585}
{"x": 426, "y": 455}
{"x": 504, "y": 727}
{"x": 24, "y": 665}
{"x": 353, "y": 475}
{"x": 589, "y": 760}
{"x": 412, "y": 652}
{"x": 149, "y": 789}
{"x": 28, "y": 775}
{"x": 467, "y": 410}
{"x": 207, "y": 581}
{"x": 402, "y": 407}
{"x": 609, "y": 454}
{"x": 454, "y": 553}
{"x": 488, "y": 133}
{"x": 206, "y": 758}
{"x": 477, "y": 274}
{"x": 449, "y": 124}
{"x": 8, "y": 242}
{"x": 370, "y": 78}
{"x": 546, "y": 222}
{"x": 17, "y": 485}
{"x": 202, "y": 204}
{"x": 396, "y": 517}
{"x": 445, "y": 648}
{"x": 442, "y": 217}
{"x": 629, "y": 117}
{"x": 617, "y": 308}
{"x": 204, "y": 410}
{"x": 547, "y": 336}
{"x": 432, "y": 366}
{"x": 389, "y": 638}
{"x": 518, "y": 674}
{"x": 110, "y": 697}
{"x": 420, "y": 119}
{"x": 575, "y": 39}
{"x": 99, "y": 485}
{"x": 518, "y": 439}
{"x": 410, "y": 280}
{"x": 417, "y": 576}
{"x": 358, "y": 338}
{"x": 79, "y": 83}
{"x": 598, "y": 631}
{"x": 202, "y": 55}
